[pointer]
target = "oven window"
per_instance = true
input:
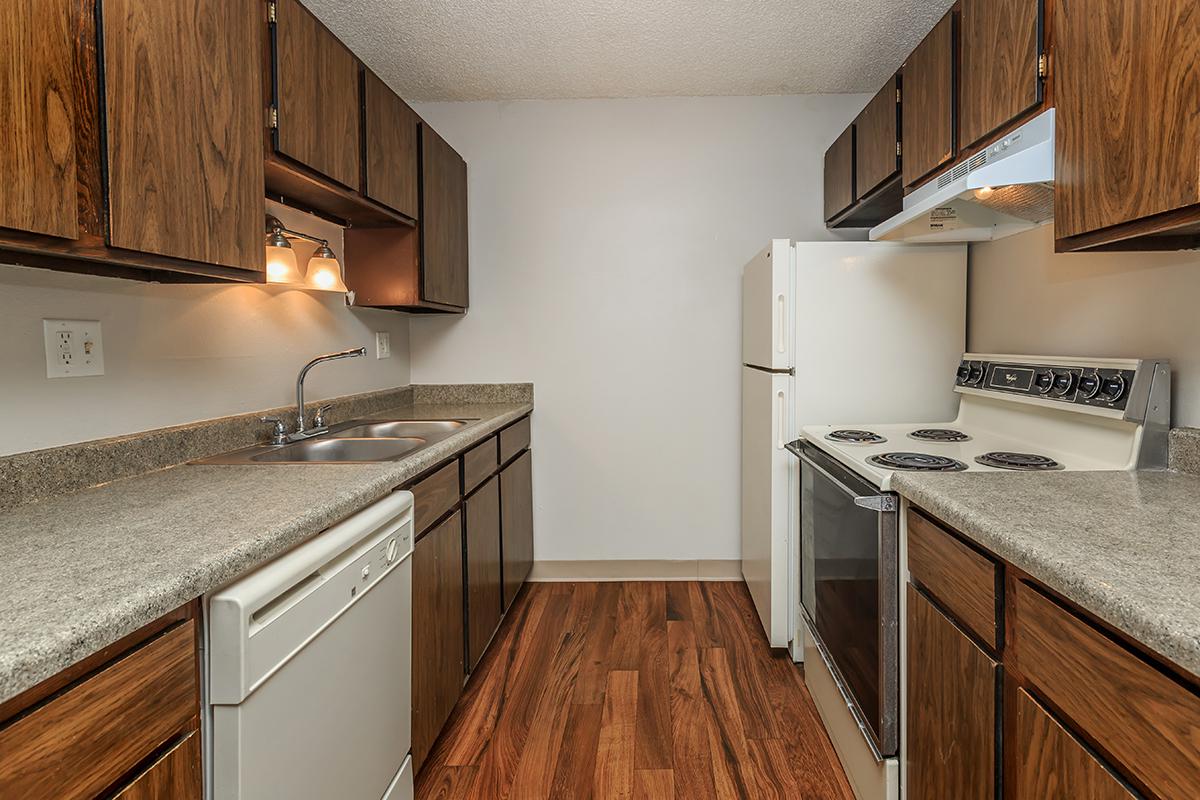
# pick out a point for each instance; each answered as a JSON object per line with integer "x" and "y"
{"x": 840, "y": 585}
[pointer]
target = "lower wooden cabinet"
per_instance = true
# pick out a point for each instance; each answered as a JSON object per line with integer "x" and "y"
{"x": 77, "y": 734}
{"x": 484, "y": 593}
{"x": 952, "y": 722}
{"x": 1051, "y": 764}
{"x": 516, "y": 505}
{"x": 437, "y": 646}
{"x": 176, "y": 775}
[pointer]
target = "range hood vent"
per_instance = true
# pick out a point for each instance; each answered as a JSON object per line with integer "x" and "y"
{"x": 1006, "y": 188}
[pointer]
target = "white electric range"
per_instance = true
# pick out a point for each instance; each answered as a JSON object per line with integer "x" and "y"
{"x": 1016, "y": 413}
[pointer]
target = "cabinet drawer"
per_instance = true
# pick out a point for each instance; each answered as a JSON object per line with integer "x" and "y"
{"x": 964, "y": 581}
{"x": 1050, "y": 760}
{"x": 83, "y": 740}
{"x": 434, "y": 496}
{"x": 514, "y": 439}
{"x": 479, "y": 463}
{"x": 1146, "y": 721}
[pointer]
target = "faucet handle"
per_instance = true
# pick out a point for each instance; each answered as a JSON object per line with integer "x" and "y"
{"x": 319, "y": 416}
{"x": 279, "y": 432}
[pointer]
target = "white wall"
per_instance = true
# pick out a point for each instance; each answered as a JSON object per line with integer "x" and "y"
{"x": 177, "y": 354}
{"x": 607, "y": 241}
{"x": 1026, "y": 299}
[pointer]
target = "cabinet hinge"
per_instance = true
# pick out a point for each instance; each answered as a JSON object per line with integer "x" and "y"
{"x": 899, "y": 148}
{"x": 897, "y": 95}
{"x": 273, "y": 118}
{"x": 1043, "y": 66}
{"x": 271, "y": 11}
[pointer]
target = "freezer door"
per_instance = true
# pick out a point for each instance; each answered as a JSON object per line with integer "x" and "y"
{"x": 768, "y": 478}
{"x": 767, "y": 308}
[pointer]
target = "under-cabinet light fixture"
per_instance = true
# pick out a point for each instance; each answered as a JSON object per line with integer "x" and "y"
{"x": 323, "y": 272}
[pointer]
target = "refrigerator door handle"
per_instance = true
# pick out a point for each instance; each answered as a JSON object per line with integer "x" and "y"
{"x": 781, "y": 322}
{"x": 780, "y": 420}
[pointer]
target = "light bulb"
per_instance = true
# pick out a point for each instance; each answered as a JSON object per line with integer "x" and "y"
{"x": 984, "y": 193}
{"x": 324, "y": 272}
{"x": 281, "y": 265}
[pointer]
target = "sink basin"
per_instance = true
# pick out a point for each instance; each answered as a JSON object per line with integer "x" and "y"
{"x": 391, "y": 429}
{"x": 341, "y": 450}
{"x": 354, "y": 442}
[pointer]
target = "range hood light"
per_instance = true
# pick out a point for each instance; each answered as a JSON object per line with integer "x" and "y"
{"x": 984, "y": 193}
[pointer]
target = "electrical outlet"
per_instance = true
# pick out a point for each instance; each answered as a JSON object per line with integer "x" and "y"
{"x": 74, "y": 348}
{"x": 383, "y": 344}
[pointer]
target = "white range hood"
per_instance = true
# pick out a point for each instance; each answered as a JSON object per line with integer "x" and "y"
{"x": 1006, "y": 188}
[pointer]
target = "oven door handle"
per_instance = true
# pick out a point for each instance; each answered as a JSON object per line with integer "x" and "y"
{"x": 875, "y": 502}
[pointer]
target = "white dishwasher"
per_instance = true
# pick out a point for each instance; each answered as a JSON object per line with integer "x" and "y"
{"x": 308, "y": 667}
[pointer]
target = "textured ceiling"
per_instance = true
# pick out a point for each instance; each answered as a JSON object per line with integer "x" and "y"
{"x": 524, "y": 49}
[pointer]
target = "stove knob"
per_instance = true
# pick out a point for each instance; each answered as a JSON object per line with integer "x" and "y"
{"x": 1089, "y": 385}
{"x": 1112, "y": 388}
{"x": 1064, "y": 382}
{"x": 975, "y": 374}
{"x": 964, "y": 372}
{"x": 1044, "y": 382}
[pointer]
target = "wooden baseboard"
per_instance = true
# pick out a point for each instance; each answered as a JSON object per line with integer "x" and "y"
{"x": 637, "y": 570}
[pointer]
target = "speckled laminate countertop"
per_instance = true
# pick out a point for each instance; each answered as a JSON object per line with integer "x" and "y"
{"x": 1123, "y": 545}
{"x": 80, "y": 571}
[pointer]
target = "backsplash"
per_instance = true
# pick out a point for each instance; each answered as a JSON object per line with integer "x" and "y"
{"x": 1185, "y": 450}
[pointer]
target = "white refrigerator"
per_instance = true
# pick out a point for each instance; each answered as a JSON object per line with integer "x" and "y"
{"x": 834, "y": 333}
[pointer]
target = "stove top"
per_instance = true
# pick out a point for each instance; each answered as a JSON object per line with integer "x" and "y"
{"x": 1009, "y": 421}
{"x": 917, "y": 462}
{"x": 851, "y": 436}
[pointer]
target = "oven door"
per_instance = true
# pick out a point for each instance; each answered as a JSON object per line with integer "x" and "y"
{"x": 849, "y": 588}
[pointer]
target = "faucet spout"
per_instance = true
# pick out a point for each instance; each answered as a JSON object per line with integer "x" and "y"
{"x": 354, "y": 352}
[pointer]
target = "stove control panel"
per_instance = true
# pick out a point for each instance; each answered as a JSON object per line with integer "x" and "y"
{"x": 1099, "y": 387}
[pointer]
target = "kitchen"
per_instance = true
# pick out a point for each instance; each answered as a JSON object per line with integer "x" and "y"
{"x": 470, "y": 203}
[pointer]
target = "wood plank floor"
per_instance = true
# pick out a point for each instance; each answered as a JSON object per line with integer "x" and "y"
{"x": 633, "y": 690}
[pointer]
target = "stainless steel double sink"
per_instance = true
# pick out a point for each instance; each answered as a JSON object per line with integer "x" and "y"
{"x": 354, "y": 442}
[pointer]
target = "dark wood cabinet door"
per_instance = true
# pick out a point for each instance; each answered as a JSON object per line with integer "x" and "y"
{"x": 839, "y": 174}
{"x": 877, "y": 138}
{"x": 516, "y": 524}
{"x": 184, "y": 123}
{"x": 999, "y": 79}
{"x": 928, "y": 123}
{"x": 444, "y": 263}
{"x": 316, "y": 80}
{"x": 1052, "y": 765}
{"x": 437, "y": 668}
{"x": 484, "y": 593}
{"x": 1126, "y": 89}
{"x": 391, "y": 147}
{"x": 175, "y": 775}
{"x": 37, "y": 139}
{"x": 952, "y": 732}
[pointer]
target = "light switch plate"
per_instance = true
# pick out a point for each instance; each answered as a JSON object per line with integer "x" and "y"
{"x": 383, "y": 344}
{"x": 74, "y": 348}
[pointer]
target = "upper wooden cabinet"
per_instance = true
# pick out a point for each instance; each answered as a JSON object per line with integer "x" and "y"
{"x": 877, "y": 140}
{"x": 132, "y": 144}
{"x": 37, "y": 139}
{"x": 928, "y": 126}
{"x": 839, "y": 175}
{"x": 1128, "y": 135}
{"x": 316, "y": 96}
{"x": 391, "y": 129}
{"x": 1000, "y": 80}
{"x": 185, "y": 168}
{"x": 444, "y": 262}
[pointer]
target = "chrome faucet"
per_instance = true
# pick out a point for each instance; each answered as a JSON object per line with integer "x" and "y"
{"x": 319, "y": 425}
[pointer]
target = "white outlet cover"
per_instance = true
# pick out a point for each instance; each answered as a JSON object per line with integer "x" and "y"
{"x": 383, "y": 344}
{"x": 74, "y": 348}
